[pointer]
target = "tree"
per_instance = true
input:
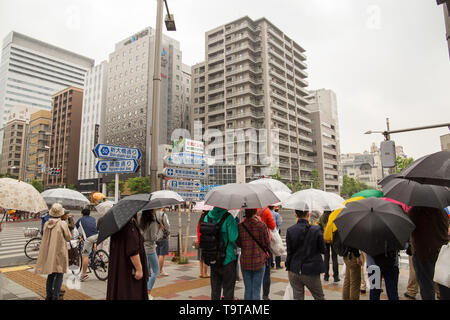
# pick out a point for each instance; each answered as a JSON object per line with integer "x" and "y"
{"x": 37, "y": 185}
{"x": 139, "y": 185}
{"x": 316, "y": 183}
{"x": 111, "y": 187}
{"x": 276, "y": 174}
{"x": 297, "y": 187}
{"x": 7, "y": 175}
{"x": 402, "y": 163}
{"x": 351, "y": 186}
{"x": 71, "y": 187}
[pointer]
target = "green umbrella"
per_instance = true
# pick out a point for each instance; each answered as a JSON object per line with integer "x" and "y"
{"x": 369, "y": 193}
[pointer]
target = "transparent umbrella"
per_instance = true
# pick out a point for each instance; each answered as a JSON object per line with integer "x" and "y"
{"x": 313, "y": 200}
{"x": 66, "y": 197}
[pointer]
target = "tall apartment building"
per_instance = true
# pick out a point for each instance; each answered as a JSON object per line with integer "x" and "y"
{"x": 326, "y": 142}
{"x": 94, "y": 103}
{"x": 186, "y": 97}
{"x": 15, "y": 140}
{"x": 65, "y": 137}
{"x": 254, "y": 76}
{"x": 130, "y": 92}
{"x": 36, "y": 155}
{"x": 445, "y": 142}
{"x": 31, "y": 71}
{"x": 446, "y": 7}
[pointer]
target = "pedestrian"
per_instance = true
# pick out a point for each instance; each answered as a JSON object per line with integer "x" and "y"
{"x": 412, "y": 288}
{"x": 203, "y": 265}
{"x": 430, "y": 234}
{"x": 87, "y": 227}
{"x": 352, "y": 281}
{"x": 223, "y": 276}
{"x": 238, "y": 254}
{"x": 363, "y": 258}
{"x": 267, "y": 217}
{"x": 329, "y": 251}
{"x": 304, "y": 263}
{"x": 150, "y": 227}
{"x": 384, "y": 266}
{"x": 253, "y": 240}
{"x": 278, "y": 222}
{"x": 127, "y": 272}
{"x": 53, "y": 258}
{"x": 162, "y": 245}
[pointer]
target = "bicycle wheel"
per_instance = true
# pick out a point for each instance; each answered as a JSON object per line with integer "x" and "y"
{"x": 32, "y": 248}
{"x": 100, "y": 264}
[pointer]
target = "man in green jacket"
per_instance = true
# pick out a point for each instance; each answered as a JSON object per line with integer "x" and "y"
{"x": 224, "y": 276}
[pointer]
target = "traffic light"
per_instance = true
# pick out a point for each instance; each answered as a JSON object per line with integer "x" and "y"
{"x": 54, "y": 171}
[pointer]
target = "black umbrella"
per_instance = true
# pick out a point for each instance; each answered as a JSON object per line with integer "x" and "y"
{"x": 416, "y": 194}
{"x": 374, "y": 226}
{"x": 431, "y": 169}
{"x": 119, "y": 215}
{"x": 388, "y": 178}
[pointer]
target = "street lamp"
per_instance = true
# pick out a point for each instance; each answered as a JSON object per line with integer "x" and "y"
{"x": 170, "y": 25}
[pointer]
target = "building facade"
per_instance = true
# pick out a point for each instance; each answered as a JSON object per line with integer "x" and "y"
{"x": 130, "y": 92}
{"x": 446, "y": 7}
{"x": 445, "y": 142}
{"x": 65, "y": 137}
{"x": 94, "y": 103}
{"x": 253, "y": 78}
{"x": 326, "y": 141}
{"x": 31, "y": 71}
{"x": 36, "y": 156}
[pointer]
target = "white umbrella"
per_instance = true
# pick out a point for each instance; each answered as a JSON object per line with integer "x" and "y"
{"x": 274, "y": 185}
{"x": 162, "y": 199}
{"x": 104, "y": 207}
{"x": 19, "y": 195}
{"x": 313, "y": 200}
{"x": 66, "y": 197}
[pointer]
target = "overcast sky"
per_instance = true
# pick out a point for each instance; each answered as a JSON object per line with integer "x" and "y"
{"x": 383, "y": 58}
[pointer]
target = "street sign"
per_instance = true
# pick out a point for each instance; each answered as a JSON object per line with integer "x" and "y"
{"x": 186, "y": 159}
{"x": 184, "y": 173}
{"x": 117, "y": 166}
{"x": 184, "y": 185}
{"x": 106, "y": 151}
{"x": 192, "y": 196}
{"x": 209, "y": 187}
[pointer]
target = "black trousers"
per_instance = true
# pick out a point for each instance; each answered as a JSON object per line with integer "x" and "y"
{"x": 223, "y": 277}
{"x": 334, "y": 258}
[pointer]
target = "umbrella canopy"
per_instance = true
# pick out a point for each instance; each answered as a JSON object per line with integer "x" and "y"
{"x": 66, "y": 197}
{"x": 163, "y": 198}
{"x": 369, "y": 193}
{"x": 401, "y": 204}
{"x": 201, "y": 206}
{"x": 18, "y": 195}
{"x": 241, "y": 195}
{"x": 313, "y": 200}
{"x": 273, "y": 185}
{"x": 388, "y": 178}
{"x": 119, "y": 215}
{"x": 416, "y": 194}
{"x": 104, "y": 207}
{"x": 374, "y": 226}
{"x": 430, "y": 169}
{"x": 283, "y": 196}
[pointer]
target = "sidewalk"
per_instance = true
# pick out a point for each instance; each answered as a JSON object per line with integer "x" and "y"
{"x": 182, "y": 283}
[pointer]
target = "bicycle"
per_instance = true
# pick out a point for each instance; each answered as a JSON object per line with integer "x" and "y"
{"x": 33, "y": 245}
{"x": 98, "y": 262}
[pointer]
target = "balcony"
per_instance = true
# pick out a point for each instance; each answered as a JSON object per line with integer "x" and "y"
{"x": 278, "y": 96}
{"x": 216, "y": 89}
{"x": 273, "y": 42}
{"x": 217, "y": 58}
{"x": 279, "y": 107}
{"x": 280, "y": 119}
{"x": 216, "y": 98}
{"x": 304, "y": 138}
{"x": 243, "y": 92}
{"x": 280, "y": 77}
{"x": 243, "y": 58}
{"x": 305, "y": 147}
{"x": 214, "y": 49}
{"x": 244, "y": 80}
{"x": 247, "y": 114}
{"x": 246, "y": 68}
{"x": 215, "y": 79}
{"x": 278, "y": 86}
{"x": 276, "y": 54}
{"x": 243, "y": 104}
{"x": 301, "y": 73}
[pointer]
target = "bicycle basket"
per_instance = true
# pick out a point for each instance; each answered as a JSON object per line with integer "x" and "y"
{"x": 31, "y": 232}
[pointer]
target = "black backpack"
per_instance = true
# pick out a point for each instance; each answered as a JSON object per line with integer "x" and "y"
{"x": 337, "y": 244}
{"x": 211, "y": 243}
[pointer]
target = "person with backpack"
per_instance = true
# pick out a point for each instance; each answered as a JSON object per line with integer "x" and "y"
{"x": 203, "y": 265}
{"x": 304, "y": 263}
{"x": 253, "y": 240}
{"x": 329, "y": 251}
{"x": 218, "y": 234}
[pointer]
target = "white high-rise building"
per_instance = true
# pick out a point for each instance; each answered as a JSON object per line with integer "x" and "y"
{"x": 94, "y": 99}
{"x": 31, "y": 71}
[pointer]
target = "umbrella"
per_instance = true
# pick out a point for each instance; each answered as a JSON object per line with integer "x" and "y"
{"x": 388, "y": 178}
{"x": 163, "y": 198}
{"x": 368, "y": 193}
{"x": 66, "y": 197}
{"x": 430, "y": 169}
{"x": 103, "y": 207}
{"x": 416, "y": 194}
{"x": 201, "y": 206}
{"x": 241, "y": 195}
{"x": 119, "y": 215}
{"x": 273, "y": 185}
{"x": 98, "y": 196}
{"x": 401, "y": 204}
{"x": 374, "y": 226}
{"x": 313, "y": 200}
{"x": 18, "y": 195}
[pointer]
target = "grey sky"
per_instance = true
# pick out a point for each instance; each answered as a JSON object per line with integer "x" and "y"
{"x": 383, "y": 58}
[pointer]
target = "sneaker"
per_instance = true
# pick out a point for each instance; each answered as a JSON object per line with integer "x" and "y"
{"x": 84, "y": 277}
{"x": 409, "y": 297}
{"x": 150, "y": 297}
{"x": 163, "y": 274}
{"x": 265, "y": 298}
{"x": 336, "y": 279}
{"x": 363, "y": 291}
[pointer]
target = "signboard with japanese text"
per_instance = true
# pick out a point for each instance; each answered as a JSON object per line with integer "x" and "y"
{"x": 107, "y": 151}
{"x": 117, "y": 166}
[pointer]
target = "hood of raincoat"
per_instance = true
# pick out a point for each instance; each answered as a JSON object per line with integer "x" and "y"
{"x": 216, "y": 214}
{"x": 51, "y": 223}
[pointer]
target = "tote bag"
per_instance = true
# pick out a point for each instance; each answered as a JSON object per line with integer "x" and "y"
{"x": 276, "y": 244}
{"x": 442, "y": 267}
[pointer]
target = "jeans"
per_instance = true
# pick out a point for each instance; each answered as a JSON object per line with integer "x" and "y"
{"x": 424, "y": 276}
{"x": 390, "y": 275}
{"x": 312, "y": 282}
{"x": 153, "y": 268}
{"x": 252, "y": 282}
{"x": 334, "y": 259}
{"x": 266, "y": 279}
{"x": 54, "y": 283}
{"x": 223, "y": 277}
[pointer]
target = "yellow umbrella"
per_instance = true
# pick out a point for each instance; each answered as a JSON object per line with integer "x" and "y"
{"x": 98, "y": 196}
{"x": 331, "y": 227}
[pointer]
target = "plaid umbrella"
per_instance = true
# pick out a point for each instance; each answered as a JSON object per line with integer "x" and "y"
{"x": 18, "y": 195}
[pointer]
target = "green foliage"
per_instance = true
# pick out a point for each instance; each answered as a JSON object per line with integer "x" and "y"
{"x": 276, "y": 174}
{"x": 7, "y": 175}
{"x": 71, "y": 187}
{"x": 297, "y": 187}
{"x": 316, "y": 183}
{"x": 37, "y": 185}
{"x": 402, "y": 163}
{"x": 351, "y": 186}
{"x": 111, "y": 187}
{"x": 139, "y": 185}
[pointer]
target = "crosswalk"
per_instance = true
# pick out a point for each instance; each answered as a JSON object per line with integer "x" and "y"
{"x": 12, "y": 243}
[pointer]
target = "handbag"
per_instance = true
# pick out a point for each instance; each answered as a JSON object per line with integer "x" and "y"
{"x": 254, "y": 239}
{"x": 276, "y": 244}
{"x": 441, "y": 269}
{"x": 288, "y": 293}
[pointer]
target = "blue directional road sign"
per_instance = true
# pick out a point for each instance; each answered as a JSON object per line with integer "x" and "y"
{"x": 192, "y": 196}
{"x": 184, "y": 159}
{"x": 117, "y": 166}
{"x": 184, "y": 185}
{"x": 107, "y": 151}
{"x": 184, "y": 173}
